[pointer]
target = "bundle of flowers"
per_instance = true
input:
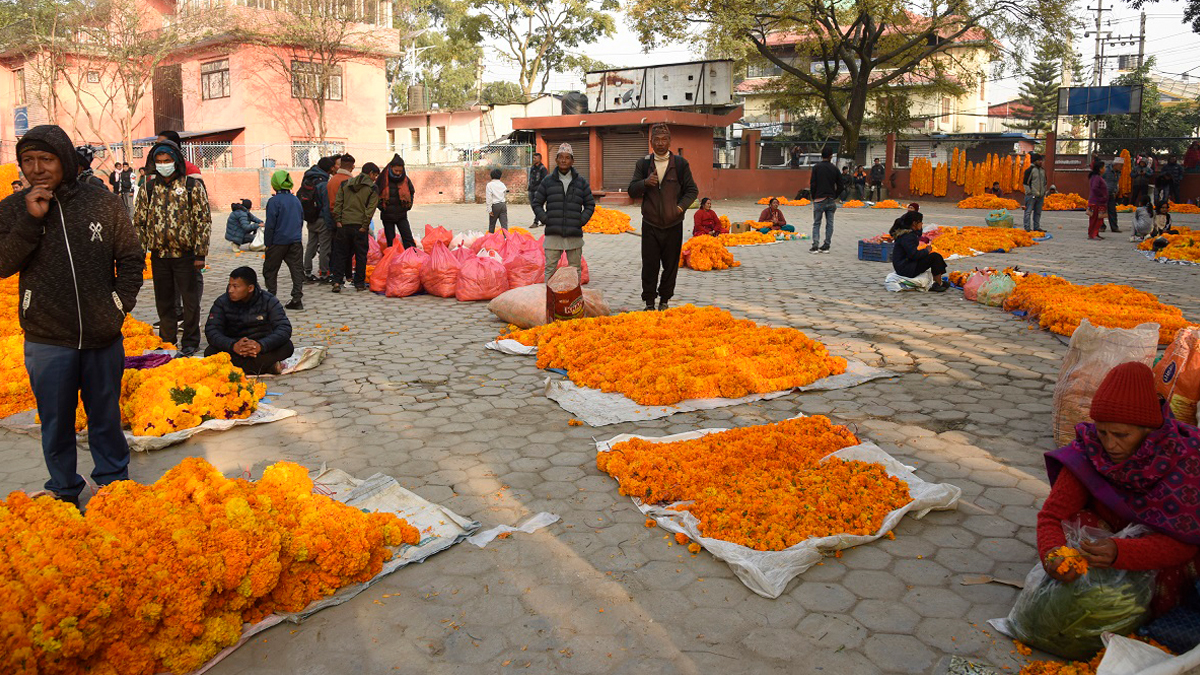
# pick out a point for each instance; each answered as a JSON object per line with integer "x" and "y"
{"x": 745, "y": 239}
{"x": 756, "y": 224}
{"x": 1064, "y": 202}
{"x": 186, "y": 392}
{"x": 878, "y": 239}
{"x": 1060, "y": 305}
{"x": 920, "y": 177}
{"x": 972, "y": 241}
{"x": 161, "y": 577}
{"x": 763, "y": 487}
{"x": 724, "y": 223}
{"x": 1125, "y": 182}
{"x": 988, "y": 202}
{"x": 1184, "y": 208}
{"x": 1182, "y": 246}
{"x": 662, "y": 358}
{"x": 1126, "y": 208}
{"x": 854, "y": 204}
{"x": 959, "y": 278}
{"x": 784, "y": 201}
{"x": 608, "y": 221}
{"x": 887, "y": 204}
{"x": 705, "y": 253}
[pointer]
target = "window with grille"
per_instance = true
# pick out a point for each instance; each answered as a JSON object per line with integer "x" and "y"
{"x": 306, "y": 80}
{"x": 214, "y": 79}
{"x": 93, "y": 76}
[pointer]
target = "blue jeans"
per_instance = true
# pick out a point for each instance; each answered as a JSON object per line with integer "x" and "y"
{"x": 825, "y": 207}
{"x": 59, "y": 377}
{"x": 1033, "y": 210}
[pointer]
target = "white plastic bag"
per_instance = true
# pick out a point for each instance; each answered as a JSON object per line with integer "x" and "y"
{"x": 896, "y": 283}
{"x": 260, "y": 241}
{"x": 1092, "y": 353}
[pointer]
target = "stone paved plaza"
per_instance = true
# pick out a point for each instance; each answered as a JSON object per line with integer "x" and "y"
{"x": 408, "y": 390}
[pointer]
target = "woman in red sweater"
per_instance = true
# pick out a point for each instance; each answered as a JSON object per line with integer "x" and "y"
{"x": 1134, "y": 464}
{"x": 706, "y": 220}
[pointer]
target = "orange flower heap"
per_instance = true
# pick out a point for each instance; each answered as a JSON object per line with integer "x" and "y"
{"x": 1064, "y": 202}
{"x": 854, "y": 204}
{"x": 764, "y": 487}
{"x": 1182, "y": 246}
{"x": 971, "y": 241}
{"x": 186, "y": 392}
{"x": 161, "y": 577}
{"x": 662, "y": 358}
{"x": 746, "y": 238}
{"x": 608, "y": 221}
{"x": 1184, "y": 208}
{"x": 887, "y": 204}
{"x": 986, "y": 201}
{"x": 705, "y": 253}
{"x": 1069, "y": 560}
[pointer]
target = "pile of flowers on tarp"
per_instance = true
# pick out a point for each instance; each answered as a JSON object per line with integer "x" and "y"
{"x": 608, "y": 221}
{"x": 988, "y": 202}
{"x": 972, "y": 241}
{"x": 1182, "y": 246}
{"x": 161, "y": 577}
{"x": 784, "y": 201}
{"x": 1064, "y": 202}
{"x": 746, "y": 238}
{"x": 705, "y": 253}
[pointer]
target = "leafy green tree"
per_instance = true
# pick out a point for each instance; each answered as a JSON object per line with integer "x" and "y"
{"x": 445, "y": 55}
{"x": 1159, "y": 126}
{"x": 1039, "y": 91}
{"x": 1191, "y": 11}
{"x": 502, "y": 92}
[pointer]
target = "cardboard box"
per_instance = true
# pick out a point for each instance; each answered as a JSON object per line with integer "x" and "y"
{"x": 739, "y": 227}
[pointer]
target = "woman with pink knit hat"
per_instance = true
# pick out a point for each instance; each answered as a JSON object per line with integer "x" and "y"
{"x": 1133, "y": 464}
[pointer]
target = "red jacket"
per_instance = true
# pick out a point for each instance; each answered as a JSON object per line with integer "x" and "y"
{"x": 773, "y": 216}
{"x": 192, "y": 169}
{"x": 706, "y": 222}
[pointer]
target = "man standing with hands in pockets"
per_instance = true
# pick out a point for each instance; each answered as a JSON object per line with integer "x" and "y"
{"x": 664, "y": 182}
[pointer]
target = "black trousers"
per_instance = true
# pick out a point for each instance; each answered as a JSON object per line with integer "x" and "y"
{"x": 406, "y": 236}
{"x": 257, "y": 365}
{"x": 934, "y": 262}
{"x": 177, "y": 278}
{"x": 293, "y": 255}
{"x": 660, "y": 250}
{"x": 350, "y": 247}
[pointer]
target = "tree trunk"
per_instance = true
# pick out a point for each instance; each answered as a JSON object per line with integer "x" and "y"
{"x": 855, "y": 113}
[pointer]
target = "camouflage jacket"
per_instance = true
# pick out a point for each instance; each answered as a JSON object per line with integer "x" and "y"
{"x": 172, "y": 217}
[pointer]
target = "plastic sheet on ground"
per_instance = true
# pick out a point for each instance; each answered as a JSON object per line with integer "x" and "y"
{"x": 1124, "y": 656}
{"x": 1167, "y": 261}
{"x": 305, "y": 358}
{"x": 25, "y": 423}
{"x": 768, "y": 573}
{"x": 533, "y": 524}
{"x": 440, "y": 529}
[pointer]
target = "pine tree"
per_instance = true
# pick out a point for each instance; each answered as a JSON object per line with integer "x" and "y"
{"x": 1040, "y": 90}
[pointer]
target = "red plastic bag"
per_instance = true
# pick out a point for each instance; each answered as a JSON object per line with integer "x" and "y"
{"x": 524, "y": 265}
{"x": 973, "y": 284}
{"x": 439, "y": 273}
{"x": 461, "y": 255}
{"x": 380, "y": 276}
{"x": 562, "y": 262}
{"x": 404, "y": 272}
{"x": 481, "y": 279}
{"x": 493, "y": 242}
{"x": 374, "y": 252}
{"x": 435, "y": 234}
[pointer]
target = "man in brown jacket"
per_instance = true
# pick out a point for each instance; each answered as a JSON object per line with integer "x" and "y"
{"x": 664, "y": 182}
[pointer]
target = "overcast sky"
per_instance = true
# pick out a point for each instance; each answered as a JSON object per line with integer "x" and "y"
{"x": 1167, "y": 38}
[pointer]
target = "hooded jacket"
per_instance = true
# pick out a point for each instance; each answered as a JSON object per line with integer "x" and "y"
{"x": 260, "y": 317}
{"x": 80, "y": 265}
{"x": 356, "y": 202}
{"x": 241, "y": 224}
{"x": 665, "y": 205}
{"x": 171, "y": 214}
{"x": 319, "y": 179}
{"x": 564, "y": 212}
{"x": 391, "y": 205}
{"x": 285, "y": 214}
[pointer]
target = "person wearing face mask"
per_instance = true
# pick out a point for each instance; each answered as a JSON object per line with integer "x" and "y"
{"x": 172, "y": 218}
{"x": 1134, "y": 464}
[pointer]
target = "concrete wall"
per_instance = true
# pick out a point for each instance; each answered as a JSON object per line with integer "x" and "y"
{"x": 433, "y": 185}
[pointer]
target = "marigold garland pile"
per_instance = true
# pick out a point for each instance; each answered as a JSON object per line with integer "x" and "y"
{"x": 1184, "y": 208}
{"x": 746, "y": 238}
{"x": 608, "y": 221}
{"x": 1060, "y": 306}
{"x": 1064, "y": 202}
{"x": 784, "y": 201}
{"x": 705, "y": 253}
{"x": 185, "y": 393}
{"x": 662, "y": 358}
{"x": 854, "y": 204}
{"x": 972, "y": 241}
{"x": 920, "y": 177}
{"x": 887, "y": 204}
{"x": 763, "y": 487}
{"x": 988, "y": 202}
{"x": 161, "y": 577}
{"x": 1182, "y": 246}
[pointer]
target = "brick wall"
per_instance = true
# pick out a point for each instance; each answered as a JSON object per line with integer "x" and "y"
{"x": 516, "y": 178}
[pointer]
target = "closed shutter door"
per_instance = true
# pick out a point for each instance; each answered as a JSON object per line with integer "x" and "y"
{"x": 579, "y": 146}
{"x": 622, "y": 150}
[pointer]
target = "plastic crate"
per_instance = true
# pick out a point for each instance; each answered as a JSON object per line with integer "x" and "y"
{"x": 875, "y": 252}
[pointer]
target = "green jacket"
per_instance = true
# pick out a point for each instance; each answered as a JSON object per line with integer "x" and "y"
{"x": 356, "y": 201}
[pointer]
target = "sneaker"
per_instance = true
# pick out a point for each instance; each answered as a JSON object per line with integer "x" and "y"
{"x": 310, "y": 279}
{"x": 649, "y": 306}
{"x": 295, "y": 306}
{"x": 236, "y": 248}
{"x": 663, "y": 306}
{"x": 825, "y": 248}
{"x": 360, "y": 287}
{"x": 938, "y": 287}
{"x": 814, "y": 249}
{"x": 337, "y": 288}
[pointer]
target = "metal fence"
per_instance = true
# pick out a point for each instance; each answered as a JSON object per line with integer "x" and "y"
{"x": 1075, "y": 154}
{"x": 298, "y": 155}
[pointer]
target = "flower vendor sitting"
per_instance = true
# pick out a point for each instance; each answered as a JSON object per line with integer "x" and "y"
{"x": 774, "y": 216}
{"x": 1133, "y": 464}
{"x": 908, "y": 258}
{"x": 706, "y": 221}
{"x": 250, "y": 324}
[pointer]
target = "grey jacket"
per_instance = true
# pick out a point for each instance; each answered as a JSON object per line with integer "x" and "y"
{"x": 1034, "y": 182}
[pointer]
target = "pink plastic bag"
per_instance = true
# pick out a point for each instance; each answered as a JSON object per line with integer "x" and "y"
{"x": 461, "y": 255}
{"x": 374, "y": 251}
{"x": 379, "y": 277}
{"x": 524, "y": 265}
{"x": 562, "y": 262}
{"x": 481, "y": 279}
{"x": 404, "y": 273}
{"x": 973, "y": 284}
{"x": 435, "y": 234}
{"x": 439, "y": 273}
{"x": 493, "y": 242}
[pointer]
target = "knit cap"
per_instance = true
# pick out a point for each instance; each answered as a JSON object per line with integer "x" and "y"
{"x": 1127, "y": 396}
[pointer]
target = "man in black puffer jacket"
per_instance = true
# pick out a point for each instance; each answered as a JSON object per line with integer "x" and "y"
{"x": 81, "y": 264}
{"x": 250, "y": 324}
{"x": 664, "y": 182}
{"x": 564, "y": 204}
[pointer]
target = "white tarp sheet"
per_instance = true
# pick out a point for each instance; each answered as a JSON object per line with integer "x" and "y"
{"x": 598, "y": 408}
{"x": 768, "y": 572}
{"x": 1132, "y": 657}
{"x": 440, "y": 529}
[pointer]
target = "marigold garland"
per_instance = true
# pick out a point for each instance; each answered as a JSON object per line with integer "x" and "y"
{"x": 745, "y": 238}
{"x": 972, "y": 241}
{"x": 887, "y": 204}
{"x": 662, "y": 358}
{"x": 1064, "y": 202}
{"x": 705, "y": 253}
{"x": 988, "y": 202}
{"x": 185, "y": 393}
{"x": 1125, "y": 183}
{"x": 854, "y": 204}
{"x": 1069, "y": 560}
{"x": 1184, "y": 208}
{"x": 608, "y": 221}
{"x": 764, "y": 487}
{"x": 1182, "y": 246}
{"x": 161, "y": 577}
{"x": 784, "y": 201}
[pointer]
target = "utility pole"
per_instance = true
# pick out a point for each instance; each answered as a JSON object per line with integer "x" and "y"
{"x": 1098, "y": 60}
{"x": 1142, "y": 41}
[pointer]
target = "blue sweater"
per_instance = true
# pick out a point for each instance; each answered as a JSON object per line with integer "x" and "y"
{"x": 285, "y": 219}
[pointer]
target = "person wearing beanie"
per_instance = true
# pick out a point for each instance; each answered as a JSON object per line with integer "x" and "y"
{"x": 241, "y": 225}
{"x": 1133, "y": 464}
{"x": 283, "y": 234}
{"x": 353, "y": 209}
{"x": 396, "y": 193}
{"x": 250, "y": 325}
